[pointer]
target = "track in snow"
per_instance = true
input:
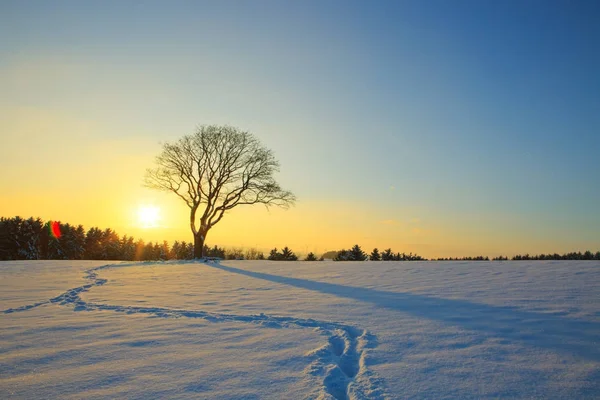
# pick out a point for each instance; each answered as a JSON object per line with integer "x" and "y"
{"x": 341, "y": 362}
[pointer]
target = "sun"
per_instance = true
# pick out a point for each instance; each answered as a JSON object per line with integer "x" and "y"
{"x": 148, "y": 216}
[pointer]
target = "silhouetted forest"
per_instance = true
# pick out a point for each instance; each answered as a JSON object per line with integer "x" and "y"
{"x": 357, "y": 254}
{"x": 286, "y": 254}
{"x": 587, "y": 255}
{"x": 35, "y": 239}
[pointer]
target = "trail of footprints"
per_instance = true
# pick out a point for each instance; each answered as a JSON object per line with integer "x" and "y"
{"x": 341, "y": 362}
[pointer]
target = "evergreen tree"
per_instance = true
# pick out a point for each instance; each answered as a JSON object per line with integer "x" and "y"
{"x": 156, "y": 251}
{"x": 288, "y": 255}
{"x": 5, "y": 239}
{"x": 62, "y": 241}
{"x": 175, "y": 250}
{"x": 78, "y": 242}
{"x": 357, "y": 254}
{"x": 127, "y": 248}
{"x": 53, "y": 248}
{"x": 20, "y": 239}
{"x": 111, "y": 245}
{"x": 182, "y": 254}
{"x": 343, "y": 255}
{"x": 387, "y": 255}
{"x": 310, "y": 257}
{"x": 274, "y": 255}
{"x": 93, "y": 244}
{"x": 148, "y": 253}
{"x": 67, "y": 242}
{"x": 189, "y": 251}
{"x": 32, "y": 230}
{"x": 375, "y": 256}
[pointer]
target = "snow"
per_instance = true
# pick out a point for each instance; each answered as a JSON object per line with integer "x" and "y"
{"x": 272, "y": 330}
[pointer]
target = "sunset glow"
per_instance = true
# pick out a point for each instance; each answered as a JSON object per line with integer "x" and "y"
{"x": 149, "y": 216}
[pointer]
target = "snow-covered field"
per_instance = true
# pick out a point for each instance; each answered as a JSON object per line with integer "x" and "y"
{"x": 293, "y": 330}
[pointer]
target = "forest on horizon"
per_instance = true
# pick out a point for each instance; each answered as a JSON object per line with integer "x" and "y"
{"x": 35, "y": 239}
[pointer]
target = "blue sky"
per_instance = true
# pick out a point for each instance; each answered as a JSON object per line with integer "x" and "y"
{"x": 476, "y": 119}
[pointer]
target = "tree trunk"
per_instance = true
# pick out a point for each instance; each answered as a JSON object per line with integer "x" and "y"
{"x": 199, "y": 239}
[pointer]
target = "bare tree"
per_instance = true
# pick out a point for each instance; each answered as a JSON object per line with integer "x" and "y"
{"x": 214, "y": 170}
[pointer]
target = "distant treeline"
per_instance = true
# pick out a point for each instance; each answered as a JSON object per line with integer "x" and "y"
{"x": 476, "y": 258}
{"x": 34, "y": 239}
{"x": 587, "y": 255}
{"x": 357, "y": 254}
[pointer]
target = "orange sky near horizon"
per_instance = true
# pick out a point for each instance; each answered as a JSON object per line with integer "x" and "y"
{"x": 66, "y": 172}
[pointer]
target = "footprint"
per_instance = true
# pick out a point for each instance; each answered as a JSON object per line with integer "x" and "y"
{"x": 337, "y": 345}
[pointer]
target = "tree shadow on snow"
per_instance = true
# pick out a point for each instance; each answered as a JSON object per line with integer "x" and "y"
{"x": 575, "y": 336}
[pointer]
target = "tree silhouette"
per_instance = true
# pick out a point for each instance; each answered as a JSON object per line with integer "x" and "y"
{"x": 343, "y": 255}
{"x": 358, "y": 254}
{"x": 288, "y": 255}
{"x": 274, "y": 255}
{"x": 375, "y": 256}
{"x": 93, "y": 244}
{"x": 387, "y": 255}
{"x": 214, "y": 170}
{"x": 354, "y": 254}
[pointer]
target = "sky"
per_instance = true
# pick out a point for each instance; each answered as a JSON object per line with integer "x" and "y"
{"x": 443, "y": 128}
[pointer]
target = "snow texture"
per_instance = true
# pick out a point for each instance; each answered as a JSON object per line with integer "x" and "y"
{"x": 326, "y": 330}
